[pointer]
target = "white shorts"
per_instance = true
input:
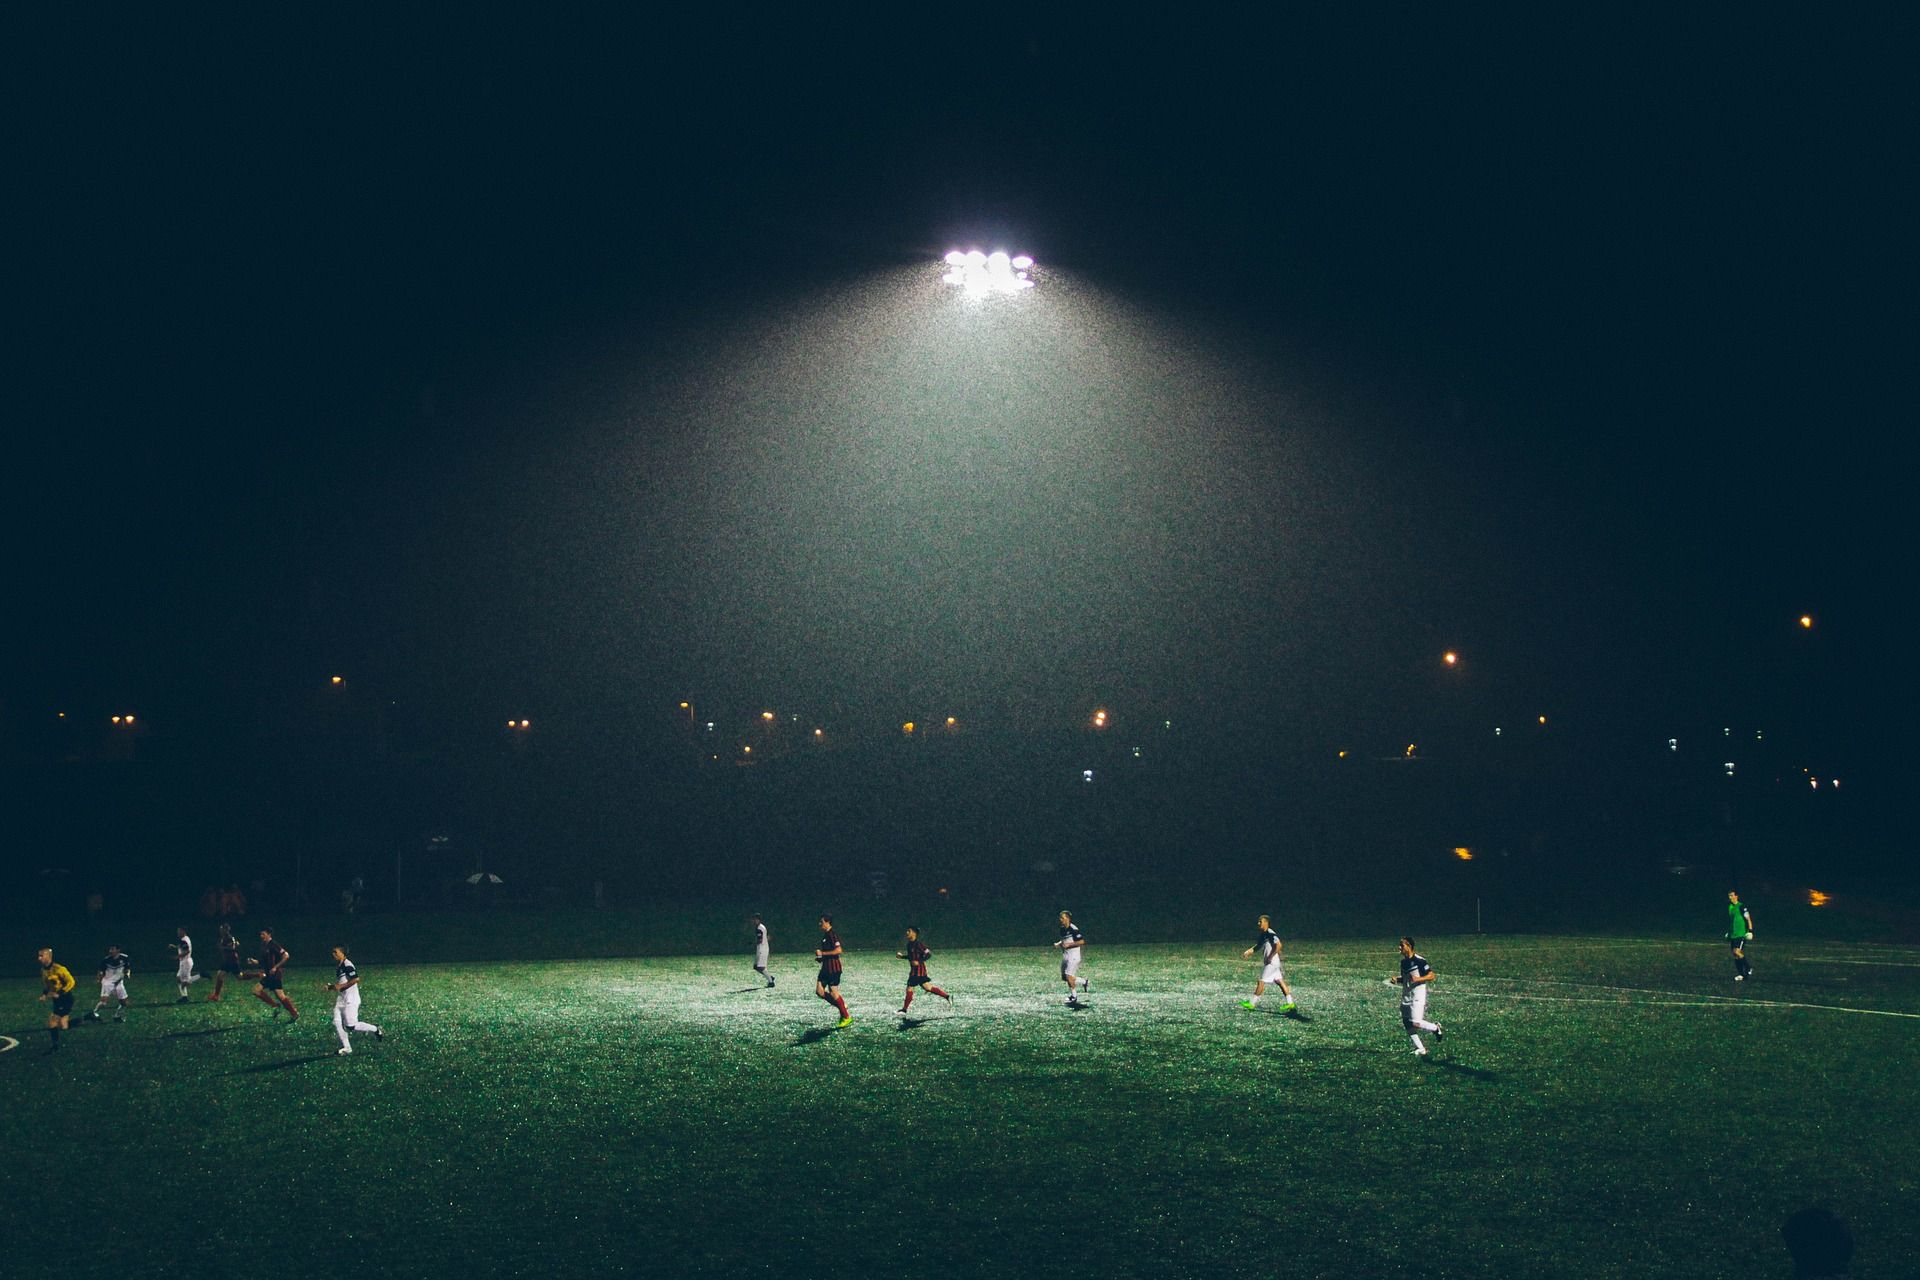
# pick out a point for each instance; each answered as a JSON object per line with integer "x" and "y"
{"x": 1273, "y": 972}
{"x": 115, "y": 990}
{"x": 185, "y": 971}
{"x": 760, "y": 958}
{"x": 1413, "y": 1005}
{"x": 347, "y": 1004}
{"x": 1069, "y": 962}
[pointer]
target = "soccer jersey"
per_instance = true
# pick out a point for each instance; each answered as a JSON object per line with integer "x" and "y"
{"x": 760, "y": 940}
{"x": 56, "y": 978}
{"x": 116, "y": 968}
{"x": 184, "y": 947}
{"x": 917, "y": 954}
{"x": 344, "y": 972}
{"x": 1739, "y": 923}
{"x": 230, "y": 951}
{"x": 1411, "y": 967}
{"x": 830, "y": 965}
{"x": 1071, "y": 937}
{"x": 273, "y": 956}
{"x": 1268, "y": 945}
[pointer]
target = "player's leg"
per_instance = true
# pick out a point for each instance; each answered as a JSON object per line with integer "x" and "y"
{"x": 286, "y": 1002}
{"x": 266, "y": 997}
{"x": 840, "y": 1004}
{"x": 340, "y": 1024}
{"x": 219, "y": 983}
{"x": 907, "y": 1003}
{"x": 933, "y": 990}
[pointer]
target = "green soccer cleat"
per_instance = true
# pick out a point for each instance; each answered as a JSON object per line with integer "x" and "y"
{"x": 1248, "y": 1004}
{"x": 844, "y": 1022}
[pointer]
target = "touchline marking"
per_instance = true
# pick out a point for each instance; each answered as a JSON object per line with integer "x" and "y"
{"x": 1684, "y": 998}
{"x": 1874, "y": 964}
{"x": 11, "y": 1043}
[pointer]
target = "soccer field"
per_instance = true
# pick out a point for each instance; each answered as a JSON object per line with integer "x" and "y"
{"x": 1603, "y": 1106}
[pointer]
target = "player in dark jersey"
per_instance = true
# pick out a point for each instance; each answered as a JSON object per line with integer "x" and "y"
{"x": 115, "y": 969}
{"x": 56, "y": 985}
{"x": 1415, "y": 976}
{"x": 229, "y": 960}
{"x": 1267, "y": 943}
{"x": 346, "y": 1001}
{"x": 827, "y": 984}
{"x": 1069, "y": 945}
{"x": 916, "y": 955}
{"x": 271, "y": 989}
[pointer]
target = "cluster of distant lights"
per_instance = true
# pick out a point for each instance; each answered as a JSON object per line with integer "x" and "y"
{"x": 979, "y": 274}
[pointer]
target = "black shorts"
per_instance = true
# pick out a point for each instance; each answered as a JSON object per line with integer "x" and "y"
{"x": 828, "y": 977}
{"x": 63, "y": 1004}
{"x": 230, "y": 966}
{"x": 920, "y": 981}
{"x": 272, "y": 981}
{"x": 1736, "y": 943}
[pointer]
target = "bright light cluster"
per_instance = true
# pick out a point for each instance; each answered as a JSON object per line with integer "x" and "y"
{"x": 980, "y": 274}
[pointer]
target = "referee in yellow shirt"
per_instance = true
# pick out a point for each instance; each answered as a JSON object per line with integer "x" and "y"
{"x": 59, "y": 989}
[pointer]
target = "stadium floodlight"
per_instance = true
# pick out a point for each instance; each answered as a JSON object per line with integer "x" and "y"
{"x": 979, "y": 274}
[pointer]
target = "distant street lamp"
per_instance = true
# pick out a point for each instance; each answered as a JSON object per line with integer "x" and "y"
{"x": 1451, "y": 658}
{"x": 1806, "y": 622}
{"x": 337, "y": 680}
{"x": 980, "y": 274}
{"x": 1099, "y": 717}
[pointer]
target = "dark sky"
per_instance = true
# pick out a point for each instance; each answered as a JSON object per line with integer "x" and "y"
{"x": 594, "y": 363}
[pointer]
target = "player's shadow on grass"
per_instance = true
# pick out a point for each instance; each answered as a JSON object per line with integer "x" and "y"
{"x": 814, "y": 1036}
{"x": 204, "y": 1031}
{"x": 302, "y": 1060}
{"x": 908, "y": 1024}
{"x": 1461, "y": 1068}
{"x": 747, "y": 991}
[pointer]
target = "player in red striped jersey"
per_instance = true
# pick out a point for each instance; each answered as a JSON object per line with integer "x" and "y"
{"x": 827, "y": 985}
{"x": 916, "y": 955}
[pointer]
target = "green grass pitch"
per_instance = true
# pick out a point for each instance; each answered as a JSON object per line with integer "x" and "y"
{"x": 1601, "y": 1107}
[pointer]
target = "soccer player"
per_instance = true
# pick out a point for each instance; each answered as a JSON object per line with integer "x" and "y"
{"x": 916, "y": 955}
{"x": 1416, "y": 975}
{"x": 271, "y": 989}
{"x": 1739, "y": 933}
{"x": 56, "y": 985}
{"x": 346, "y": 1001}
{"x": 827, "y": 985}
{"x": 183, "y": 968}
{"x": 229, "y": 960}
{"x": 1267, "y": 943}
{"x": 1071, "y": 940}
{"x": 760, "y": 949}
{"x": 114, "y": 972}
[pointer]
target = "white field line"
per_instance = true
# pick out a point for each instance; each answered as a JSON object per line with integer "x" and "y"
{"x": 1876, "y": 964}
{"x": 11, "y": 1043}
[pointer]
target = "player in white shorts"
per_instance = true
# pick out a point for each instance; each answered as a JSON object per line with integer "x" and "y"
{"x": 1071, "y": 940}
{"x": 114, "y": 972}
{"x": 760, "y": 949}
{"x": 346, "y": 1000}
{"x": 1267, "y": 943}
{"x": 1416, "y": 975}
{"x": 183, "y": 970}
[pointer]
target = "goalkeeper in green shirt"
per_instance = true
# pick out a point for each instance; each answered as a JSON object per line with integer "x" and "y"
{"x": 1739, "y": 933}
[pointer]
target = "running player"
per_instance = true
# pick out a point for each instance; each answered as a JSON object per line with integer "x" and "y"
{"x": 114, "y": 972}
{"x": 271, "y": 989}
{"x": 1416, "y": 975}
{"x": 346, "y": 1001}
{"x": 57, "y": 986}
{"x": 229, "y": 960}
{"x": 827, "y": 985}
{"x": 183, "y": 968}
{"x": 760, "y": 949}
{"x": 1071, "y": 940}
{"x": 916, "y": 955}
{"x": 1739, "y": 933}
{"x": 1267, "y": 943}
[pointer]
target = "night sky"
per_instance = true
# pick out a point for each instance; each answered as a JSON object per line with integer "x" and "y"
{"x": 576, "y": 368}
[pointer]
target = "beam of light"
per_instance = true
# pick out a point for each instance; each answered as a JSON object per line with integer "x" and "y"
{"x": 979, "y": 274}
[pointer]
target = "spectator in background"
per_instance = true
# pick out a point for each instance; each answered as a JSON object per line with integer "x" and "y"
{"x": 1820, "y": 1243}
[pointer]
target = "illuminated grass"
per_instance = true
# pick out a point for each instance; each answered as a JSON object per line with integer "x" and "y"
{"x": 668, "y": 1117}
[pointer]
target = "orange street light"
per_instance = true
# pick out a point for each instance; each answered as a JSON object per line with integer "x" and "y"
{"x": 337, "y": 680}
{"x": 1099, "y": 717}
{"x": 1806, "y": 622}
{"x": 1451, "y": 658}
{"x": 1463, "y": 853}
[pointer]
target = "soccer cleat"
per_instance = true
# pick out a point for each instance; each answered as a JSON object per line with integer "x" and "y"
{"x": 1086, "y": 984}
{"x": 845, "y": 1022}
{"x": 1248, "y": 1004}
{"x": 183, "y": 1000}
{"x": 377, "y": 1035}
{"x": 903, "y": 1008}
{"x": 1288, "y": 1007}
{"x": 769, "y": 984}
{"x": 343, "y": 1051}
{"x": 947, "y": 998}
{"x": 1419, "y": 1053}
{"x": 92, "y": 1017}
{"x": 1739, "y": 977}
{"x": 1438, "y": 1034}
